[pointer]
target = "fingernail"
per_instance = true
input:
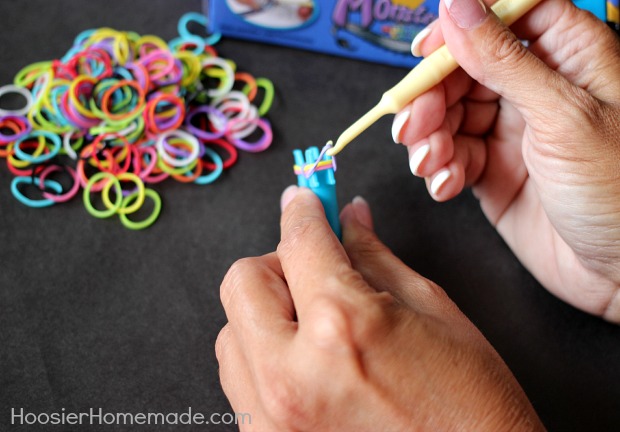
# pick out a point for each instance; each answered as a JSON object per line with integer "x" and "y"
{"x": 417, "y": 40}
{"x": 418, "y": 157}
{"x": 287, "y": 196}
{"x": 439, "y": 180}
{"x": 362, "y": 211}
{"x": 466, "y": 14}
{"x": 399, "y": 121}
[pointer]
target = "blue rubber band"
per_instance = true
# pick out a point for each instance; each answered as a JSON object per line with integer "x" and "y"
{"x": 201, "y": 19}
{"x": 219, "y": 167}
{"x": 44, "y": 202}
{"x": 55, "y": 139}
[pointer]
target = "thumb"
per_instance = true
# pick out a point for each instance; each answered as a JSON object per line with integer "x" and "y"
{"x": 383, "y": 270}
{"x": 491, "y": 54}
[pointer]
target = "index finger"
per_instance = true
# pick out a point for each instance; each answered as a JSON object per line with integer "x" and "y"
{"x": 311, "y": 255}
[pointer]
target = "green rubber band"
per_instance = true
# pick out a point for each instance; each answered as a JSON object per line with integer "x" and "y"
{"x": 149, "y": 220}
{"x": 124, "y": 207}
{"x": 176, "y": 171}
{"x": 102, "y": 214}
{"x": 267, "y": 86}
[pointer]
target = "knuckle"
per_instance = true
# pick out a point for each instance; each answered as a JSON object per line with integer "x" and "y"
{"x": 221, "y": 343}
{"x": 284, "y": 402}
{"x": 234, "y": 278}
{"x": 297, "y": 230}
{"x": 367, "y": 245}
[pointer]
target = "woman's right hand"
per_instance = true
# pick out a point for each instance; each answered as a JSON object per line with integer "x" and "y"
{"x": 536, "y": 132}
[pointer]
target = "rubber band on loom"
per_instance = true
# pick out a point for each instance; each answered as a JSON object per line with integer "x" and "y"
{"x": 319, "y": 165}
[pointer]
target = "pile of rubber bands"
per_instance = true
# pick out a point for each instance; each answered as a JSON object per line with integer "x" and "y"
{"x": 121, "y": 111}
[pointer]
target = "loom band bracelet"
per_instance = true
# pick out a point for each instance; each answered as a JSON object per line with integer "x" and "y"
{"x": 60, "y": 197}
{"x": 218, "y": 168}
{"x": 113, "y": 208}
{"x": 139, "y": 190}
{"x": 310, "y": 169}
{"x": 232, "y": 152}
{"x": 227, "y": 80}
{"x": 201, "y": 132}
{"x": 34, "y": 203}
{"x": 188, "y": 139}
{"x": 55, "y": 141}
{"x": 133, "y": 225}
{"x": 24, "y": 93}
{"x": 261, "y": 144}
{"x": 131, "y": 114}
{"x": 268, "y": 95}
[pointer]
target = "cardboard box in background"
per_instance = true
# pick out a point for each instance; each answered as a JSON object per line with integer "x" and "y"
{"x": 374, "y": 30}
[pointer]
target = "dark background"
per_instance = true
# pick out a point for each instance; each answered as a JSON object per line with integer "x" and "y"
{"x": 95, "y": 315}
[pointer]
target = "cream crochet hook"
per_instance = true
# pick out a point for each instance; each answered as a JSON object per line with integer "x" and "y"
{"x": 428, "y": 73}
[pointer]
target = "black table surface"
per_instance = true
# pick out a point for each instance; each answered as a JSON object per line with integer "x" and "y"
{"x": 93, "y": 315}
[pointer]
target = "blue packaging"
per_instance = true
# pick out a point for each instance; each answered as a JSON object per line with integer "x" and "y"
{"x": 374, "y": 30}
{"x": 379, "y": 31}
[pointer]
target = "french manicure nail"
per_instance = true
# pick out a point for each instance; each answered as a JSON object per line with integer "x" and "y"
{"x": 417, "y": 40}
{"x": 399, "y": 121}
{"x": 287, "y": 196}
{"x": 362, "y": 211}
{"x": 418, "y": 157}
{"x": 439, "y": 180}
